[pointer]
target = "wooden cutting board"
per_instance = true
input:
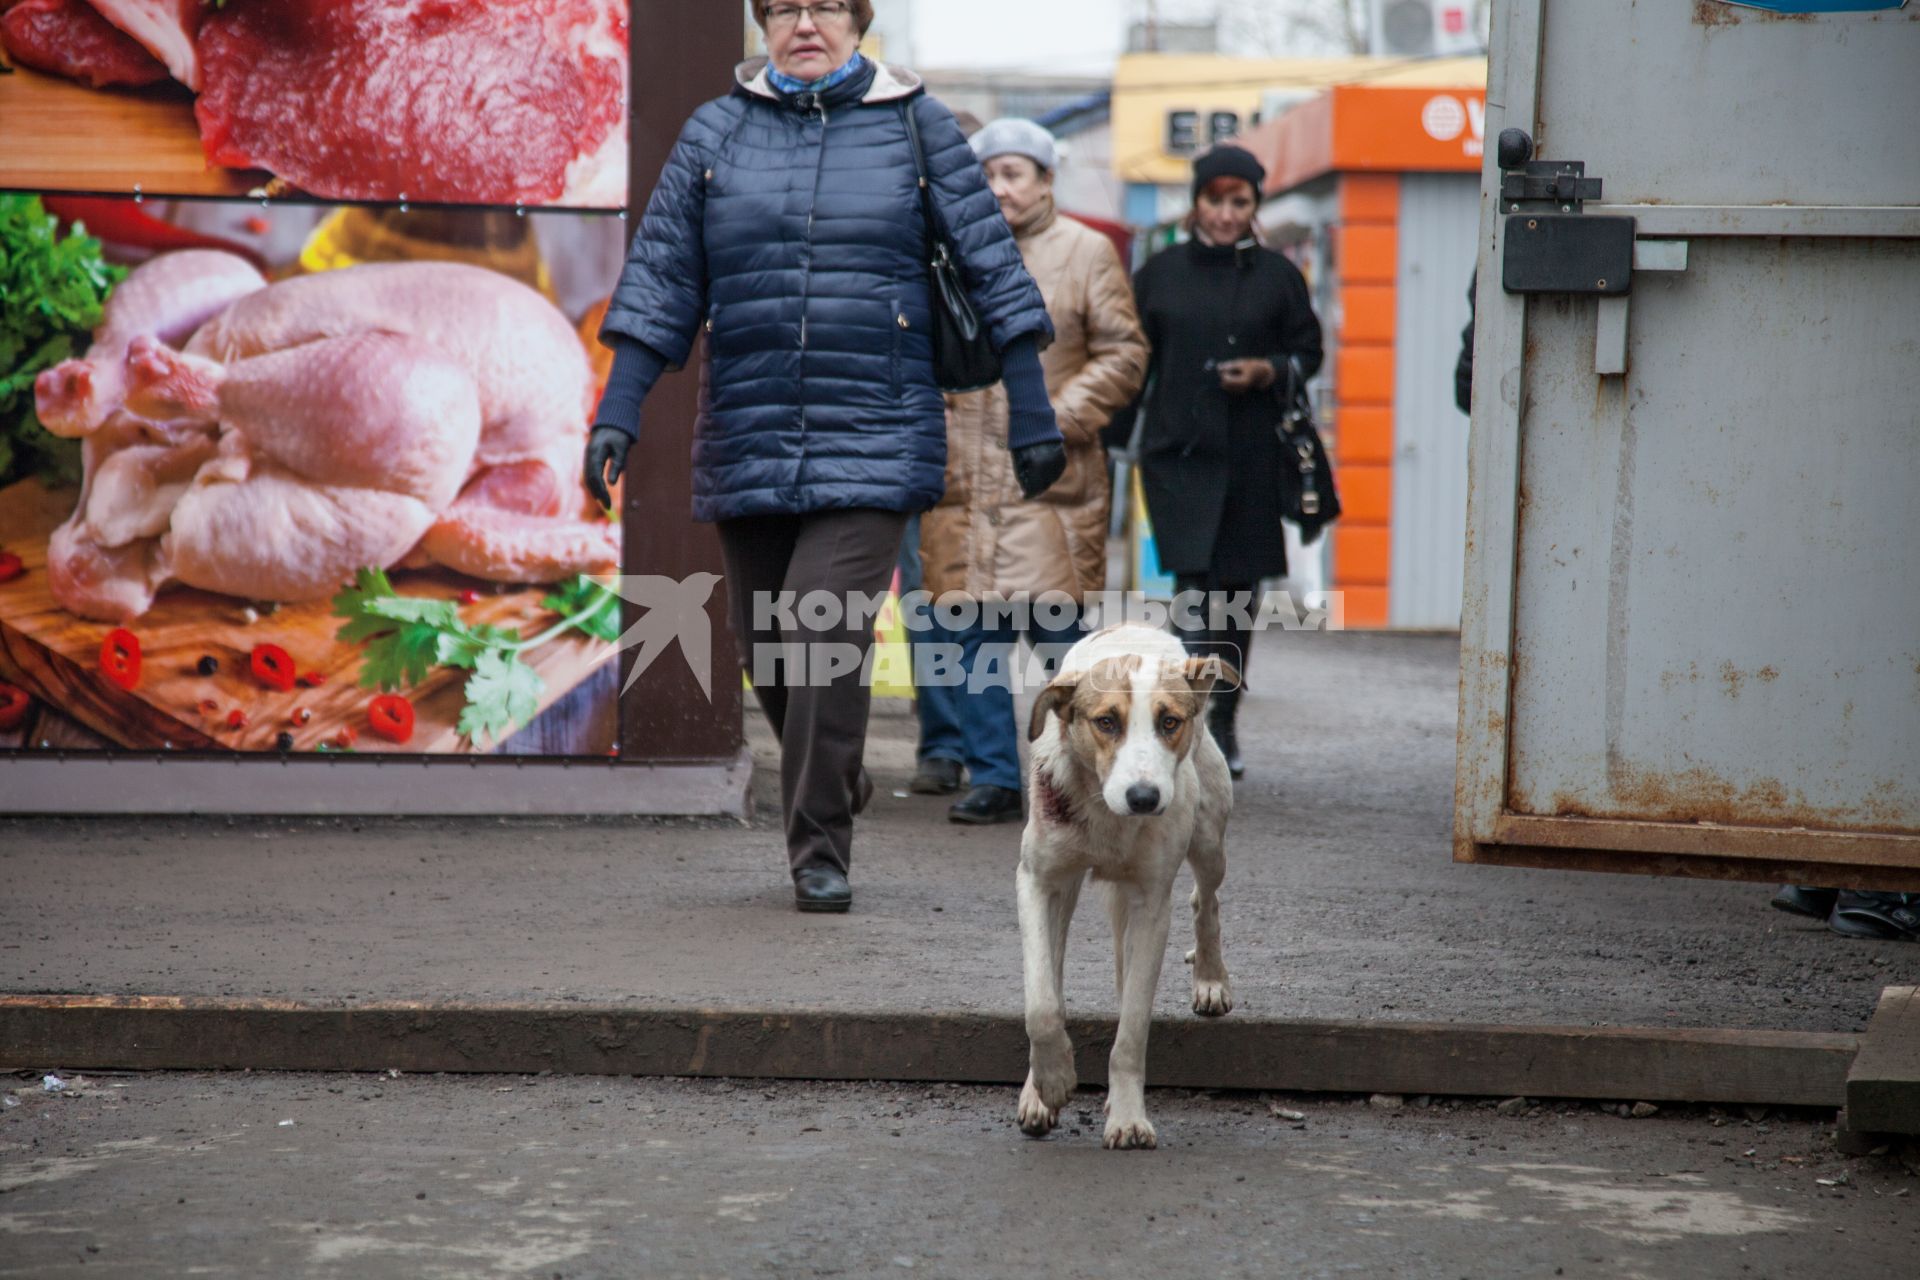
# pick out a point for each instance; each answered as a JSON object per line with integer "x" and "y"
{"x": 59, "y": 135}
{"x": 55, "y": 657}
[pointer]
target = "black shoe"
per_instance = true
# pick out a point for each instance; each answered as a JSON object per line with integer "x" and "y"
{"x": 823, "y": 889}
{"x": 1221, "y": 712}
{"x": 1799, "y": 900}
{"x": 1890, "y": 916}
{"x": 936, "y": 777}
{"x": 984, "y": 806}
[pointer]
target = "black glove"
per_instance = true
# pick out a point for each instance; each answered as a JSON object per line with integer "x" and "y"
{"x": 1037, "y": 466}
{"x": 606, "y": 461}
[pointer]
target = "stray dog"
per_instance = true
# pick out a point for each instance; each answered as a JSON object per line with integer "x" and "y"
{"x": 1127, "y": 784}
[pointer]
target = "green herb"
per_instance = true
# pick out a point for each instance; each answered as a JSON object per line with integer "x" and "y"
{"x": 594, "y": 609}
{"x": 52, "y": 291}
{"x": 407, "y": 637}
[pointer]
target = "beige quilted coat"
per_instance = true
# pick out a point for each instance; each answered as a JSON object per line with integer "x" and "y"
{"x": 983, "y": 537}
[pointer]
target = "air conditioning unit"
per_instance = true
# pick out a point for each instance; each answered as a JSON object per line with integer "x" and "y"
{"x": 1424, "y": 28}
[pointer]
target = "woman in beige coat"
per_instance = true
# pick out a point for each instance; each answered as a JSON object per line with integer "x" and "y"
{"x": 984, "y": 541}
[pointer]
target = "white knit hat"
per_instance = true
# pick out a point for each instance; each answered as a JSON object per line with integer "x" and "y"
{"x": 1011, "y": 136}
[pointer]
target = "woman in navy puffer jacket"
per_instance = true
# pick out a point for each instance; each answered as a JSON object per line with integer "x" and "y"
{"x": 788, "y": 220}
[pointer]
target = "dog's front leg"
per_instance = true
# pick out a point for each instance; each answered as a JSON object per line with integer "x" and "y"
{"x": 1149, "y": 916}
{"x": 1046, "y": 906}
{"x": 1212, "y": 993}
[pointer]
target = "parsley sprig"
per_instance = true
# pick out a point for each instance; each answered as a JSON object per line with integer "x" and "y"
{"x": 53, "y": 291}
{"x": 406, "y": 637}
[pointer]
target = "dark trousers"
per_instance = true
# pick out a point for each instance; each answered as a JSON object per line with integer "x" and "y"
{"x": 973, "y": 722}
{"x": 1231, "y": 641}
{"x": 821, "y": 724}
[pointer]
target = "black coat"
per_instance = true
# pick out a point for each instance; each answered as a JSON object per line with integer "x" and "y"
{"x": 1210, "y": 461}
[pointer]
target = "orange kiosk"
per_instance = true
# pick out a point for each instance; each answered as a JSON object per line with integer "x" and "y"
{"x": 1377, "y": 188}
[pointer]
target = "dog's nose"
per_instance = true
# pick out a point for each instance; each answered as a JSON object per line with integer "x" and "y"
{"x": 1142, "y": 798}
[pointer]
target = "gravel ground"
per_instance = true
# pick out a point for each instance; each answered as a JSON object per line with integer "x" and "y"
{"x": 1342, "y": 900}
{"x": 375, "y": 1177}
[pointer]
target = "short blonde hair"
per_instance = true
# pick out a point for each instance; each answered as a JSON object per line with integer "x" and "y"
{"x": 862, "y": 13}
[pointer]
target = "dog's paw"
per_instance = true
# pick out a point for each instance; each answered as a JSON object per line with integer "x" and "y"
{"x": 1037, "y": 1119}
{"x": 1192, "y": 954}
{"x": 1051, "y": 1074}
{"x": 1129, "y": 1135}
{"x": 1212, "y": 999}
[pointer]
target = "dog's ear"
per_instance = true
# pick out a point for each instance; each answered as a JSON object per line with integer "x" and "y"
{"x": 1057, "y": 696}
{"x": 1206, "y": 674}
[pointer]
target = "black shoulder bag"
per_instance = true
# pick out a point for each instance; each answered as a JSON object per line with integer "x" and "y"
{"x": 963, "y": 354}
{"x": 1307, "y": 493}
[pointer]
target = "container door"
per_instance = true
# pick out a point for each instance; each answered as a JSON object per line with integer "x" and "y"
{"x": 1691, "y": 626}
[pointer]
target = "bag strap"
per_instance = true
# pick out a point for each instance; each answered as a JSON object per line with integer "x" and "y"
{"x": 935, "y": 243}
{"x": 1294, "y": 404}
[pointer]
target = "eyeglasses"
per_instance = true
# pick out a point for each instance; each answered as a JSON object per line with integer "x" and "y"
{"x": 827, "y": 11}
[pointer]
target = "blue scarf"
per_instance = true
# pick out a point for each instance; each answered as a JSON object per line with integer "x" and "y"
{"x": 786, "y": 84}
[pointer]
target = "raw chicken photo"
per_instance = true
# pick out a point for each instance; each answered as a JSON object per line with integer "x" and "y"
{"x": 510, "y": 102}
{"x": 314, "y": 426}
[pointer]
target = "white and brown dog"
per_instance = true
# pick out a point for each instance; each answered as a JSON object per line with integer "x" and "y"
{"x": 1126, "y": 783}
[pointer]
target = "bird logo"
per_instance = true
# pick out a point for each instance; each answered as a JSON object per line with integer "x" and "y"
{"x": 675, "y": 613}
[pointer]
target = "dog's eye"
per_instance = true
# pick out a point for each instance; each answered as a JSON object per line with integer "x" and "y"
{"x": 1169, "y": 725}
{"x": 1106, "y": 724}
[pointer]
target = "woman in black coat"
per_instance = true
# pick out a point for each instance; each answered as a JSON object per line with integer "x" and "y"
{"x": 1224, "y": 316}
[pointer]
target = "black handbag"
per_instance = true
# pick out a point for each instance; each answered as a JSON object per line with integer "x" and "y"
{"x": 963, "y": 354}
{"x": 1307, "y": 493}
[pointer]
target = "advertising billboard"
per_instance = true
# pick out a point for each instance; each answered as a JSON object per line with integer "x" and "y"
{"x": 303, "y": 479}
{"x": 500, "y": 102}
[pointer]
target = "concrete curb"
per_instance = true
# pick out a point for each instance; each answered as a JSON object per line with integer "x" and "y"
{"x": 1784, "y": 1068}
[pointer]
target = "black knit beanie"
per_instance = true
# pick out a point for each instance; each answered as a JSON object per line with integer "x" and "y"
{"x": 1228, "y": 162}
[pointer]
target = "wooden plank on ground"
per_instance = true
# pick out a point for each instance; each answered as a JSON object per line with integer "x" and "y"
{"x": 1621, "y": 1064}
{"x": 1883, "y": 1089}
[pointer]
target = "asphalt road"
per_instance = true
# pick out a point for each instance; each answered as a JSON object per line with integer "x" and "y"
{"x": 422, "y": 1178}
{"x": 1341, "y": 901}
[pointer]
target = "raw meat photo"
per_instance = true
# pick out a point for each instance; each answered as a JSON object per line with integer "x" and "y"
{"x": 308, "y": 482}
{"x": 508, "y": 102}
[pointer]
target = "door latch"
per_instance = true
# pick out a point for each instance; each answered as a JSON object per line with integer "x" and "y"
{"x": 1552, "y": 245}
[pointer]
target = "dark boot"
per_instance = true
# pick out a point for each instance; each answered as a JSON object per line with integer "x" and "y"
{"x": 1894, "y": 916}
{"x": 1804, "y": 900}
{"x": 936, "y": 776}
{"x": 1222, "y": 708}
{"x": 984, "y": 806}
{"x": 822, "y": 889}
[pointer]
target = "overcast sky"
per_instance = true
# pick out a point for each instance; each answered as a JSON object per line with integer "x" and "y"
{"x": 1038, "y": 35}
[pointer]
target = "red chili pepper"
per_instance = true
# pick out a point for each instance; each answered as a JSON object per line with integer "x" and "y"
{"x": 312, "y": 680}
{"x": 391, "y": 716}
{"x": 257, "y": 225}
{"x": 11, "y": 566}
{"x": 14, "y": 706}
{"x": 300, "y": 716}
{"x": 236, "y": 719}
{"x": 272, "y": 667}
{"x": 346, "y": 737}
{"x": 120, "y": 657}
{"x": 469, "y": 596}
{"x": 124, "y": 222}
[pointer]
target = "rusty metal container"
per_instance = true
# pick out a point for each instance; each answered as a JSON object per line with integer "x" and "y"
{"x": 1691, "y": 625}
